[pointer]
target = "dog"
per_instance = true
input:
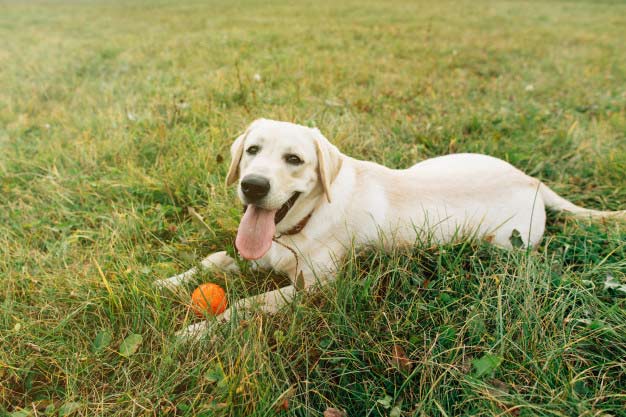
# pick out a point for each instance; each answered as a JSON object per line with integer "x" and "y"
{"x": 306, "y": 204}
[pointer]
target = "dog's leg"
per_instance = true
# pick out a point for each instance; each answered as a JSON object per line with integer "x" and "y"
{"x": 305, "y": 280}
{"x": 269, "y": 302}
{"x": 219, "y": 261}
{"x": 320, "y": 271}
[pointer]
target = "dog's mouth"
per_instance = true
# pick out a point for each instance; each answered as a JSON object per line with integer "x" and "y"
{"x": 258, "y": 226}
{"x": 282, "y": 211}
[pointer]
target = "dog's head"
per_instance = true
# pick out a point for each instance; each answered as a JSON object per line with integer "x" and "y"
{"x": 278, "y": 166}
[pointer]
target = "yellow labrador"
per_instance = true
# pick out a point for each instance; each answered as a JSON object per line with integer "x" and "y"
{"x": 307, "y": 204}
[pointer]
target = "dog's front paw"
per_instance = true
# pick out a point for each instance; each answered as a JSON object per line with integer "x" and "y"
{"x": 220, "y": 261}
{"x": 169, "y": 283}
{"x": 204, "y": 328}
{"x": 196, "y": 331}
{"x": 225, "y": 316}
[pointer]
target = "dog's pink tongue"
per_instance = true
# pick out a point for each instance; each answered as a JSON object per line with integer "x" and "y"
{"x": 256, "y": 230}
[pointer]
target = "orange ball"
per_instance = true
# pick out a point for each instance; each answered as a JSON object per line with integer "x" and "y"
{"x": 208, "y": 298}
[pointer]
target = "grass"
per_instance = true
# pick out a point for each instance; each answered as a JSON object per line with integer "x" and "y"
{"x": 116, "y": 117}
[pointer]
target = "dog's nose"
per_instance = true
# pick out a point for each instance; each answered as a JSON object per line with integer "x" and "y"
{"x": 255, "y": 187}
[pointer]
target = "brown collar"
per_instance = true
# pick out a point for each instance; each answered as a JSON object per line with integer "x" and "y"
{"x": 298, "y": 227}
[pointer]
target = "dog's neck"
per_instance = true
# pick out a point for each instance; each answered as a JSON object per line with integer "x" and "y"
{"x": 298, "y": 227}
{"x": 298, "y": 217}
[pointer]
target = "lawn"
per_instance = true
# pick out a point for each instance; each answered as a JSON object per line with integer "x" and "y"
{"x": 116, "y": 118}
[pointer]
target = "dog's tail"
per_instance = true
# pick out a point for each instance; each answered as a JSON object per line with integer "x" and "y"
{"x": 558, "y": 203}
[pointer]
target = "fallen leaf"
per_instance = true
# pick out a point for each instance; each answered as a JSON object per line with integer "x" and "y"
{"x": 214, "y": 375}
{"x": 333, "y": 412}
{"x": 48, "y": 405}
{"x": 102, "y": 340}
{"x": 487, "y": 364}
{"x": 385, "y": 402}
{"x": 502, "y": 386}
{"x": 68, "y": 408}
{"x": 282, "y": 405}
{"x": 33, "y": 346}
{"x": 580, "y": 388}
{"x": 610, "y": 283}
{"x": 399, "y": 359}
{"x": 130, "y": 345}
{"x": 325, "y": 342}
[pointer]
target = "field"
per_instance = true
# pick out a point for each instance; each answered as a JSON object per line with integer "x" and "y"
{"x": 116, "y": 118}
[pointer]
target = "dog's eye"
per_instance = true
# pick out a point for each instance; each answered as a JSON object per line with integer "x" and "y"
{"x": 293, "y": 159}
{"x": 252, "y": 150}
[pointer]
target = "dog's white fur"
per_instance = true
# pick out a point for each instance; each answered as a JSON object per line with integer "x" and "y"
{"x": 357, "y": 203}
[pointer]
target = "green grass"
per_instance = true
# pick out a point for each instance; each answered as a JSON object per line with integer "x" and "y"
{"x": 116, "y": 117}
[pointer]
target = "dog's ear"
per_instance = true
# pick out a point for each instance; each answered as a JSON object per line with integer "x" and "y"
{"x": 329, "y": 161}
{"x": 236, "y": 151}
